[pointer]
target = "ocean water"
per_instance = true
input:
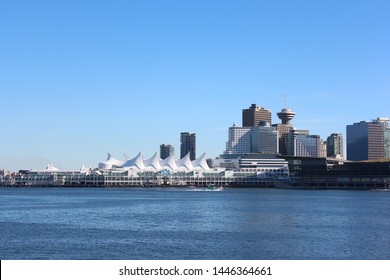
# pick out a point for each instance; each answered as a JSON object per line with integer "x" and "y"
{"x": 186, "y": 224}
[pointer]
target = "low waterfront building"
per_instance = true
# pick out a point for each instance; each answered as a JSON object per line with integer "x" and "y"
{"x": 247, "y": 171}
{"x": 270, "y": 164}
{"x": 338, "y": 174}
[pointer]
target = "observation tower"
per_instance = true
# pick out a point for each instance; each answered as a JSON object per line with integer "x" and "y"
{"x": 286, "y": 115}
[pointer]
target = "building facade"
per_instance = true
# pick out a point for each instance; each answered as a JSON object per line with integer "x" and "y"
{"x": 166, "y": 150}
{"x": 301, "y": 144}
{"x": 368, "y": 140}
{"x": 254, "y": 115}
{"x": 188, "y": 145}
{"x": 264, "y": 139}
{"x": 387, "y": 141}
{"x": 239, "y": 140}
{"x": 335, "y": 146}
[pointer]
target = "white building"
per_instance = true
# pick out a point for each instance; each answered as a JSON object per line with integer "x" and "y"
{"x": 240, "y": 140}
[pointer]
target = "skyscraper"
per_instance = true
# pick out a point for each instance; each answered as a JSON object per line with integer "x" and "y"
{"x": 335, "y": 146}
{"x": 265, "y": 139}
{"x": 254, "y": 115}
{"x": 368, "y": 140}
{"x": 166, "y": 151}
{"x": 239, "y": 140}
{"x": 188, "y": 145}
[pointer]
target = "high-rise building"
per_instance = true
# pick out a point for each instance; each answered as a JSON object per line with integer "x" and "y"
{"x": 166, "y": 151}
{"x": 387, "y": 141}
{"x": 301, "y": 144}
{"x": 368, "y": 140}
{"x": 286, "y": 115}
{"x": 188, "y": 145}
{"x": 308, "y": 146}
{"x": 324, "y": 149}
{"x": 254, "y": 115}
{"x": 335, "y": 146}
{"x": 265, "y": 139}
{"x": 239, "y": 140}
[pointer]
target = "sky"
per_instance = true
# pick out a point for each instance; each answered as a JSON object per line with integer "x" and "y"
{"x": 81, "y": 78}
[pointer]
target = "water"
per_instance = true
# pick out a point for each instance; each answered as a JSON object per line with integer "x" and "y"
{"x": 243, "y": 224}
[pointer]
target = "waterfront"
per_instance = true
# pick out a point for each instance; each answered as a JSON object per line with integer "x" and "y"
{"x": 171, "y": 223}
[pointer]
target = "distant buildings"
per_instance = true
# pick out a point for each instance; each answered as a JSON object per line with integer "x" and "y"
{"x": 254, "y": 115}
{"x": 188, "y": 145}
{"x": 335, "y": 146}
{"x": 166, "y": 151}
{"x": 263, "y": 138}
{"x": 368, "y": 140}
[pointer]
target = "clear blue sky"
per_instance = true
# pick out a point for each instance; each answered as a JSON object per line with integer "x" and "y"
{"x": 80, "y": 78}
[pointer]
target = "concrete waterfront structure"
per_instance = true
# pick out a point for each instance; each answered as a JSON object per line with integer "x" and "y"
{"x": 368, "y": 140}
{"x": 254, "y": 115}
{"x": 154, "y": 172}
{"x": 251, "y": 170}
{"x": 188, "y": 145}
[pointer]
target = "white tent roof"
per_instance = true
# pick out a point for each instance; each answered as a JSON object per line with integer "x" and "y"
{"x": 112, "y": 162}
{"x": 156, "y": 164}
{"x": 169, "y": 163}
{"x": 184, "y": 163}
{"x": 201, "y": 163}
{"x": 153, "y": 164}
{"x": 51, "y": 167}
{"x": 135, "y": 163}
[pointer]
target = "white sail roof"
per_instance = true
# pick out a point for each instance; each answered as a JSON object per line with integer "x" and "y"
{"x": 155, "y": 164}
{"x": 111, "y": 162}
{"x": 169, "y": 163}
{"x": 184, "y": 164}
{"x": 135, "y": 163}
{"x": 51, "y": 167}
{"x": 201, "y": 163}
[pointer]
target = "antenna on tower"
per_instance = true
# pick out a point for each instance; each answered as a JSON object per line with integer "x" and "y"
{"x": 285, "y": 101}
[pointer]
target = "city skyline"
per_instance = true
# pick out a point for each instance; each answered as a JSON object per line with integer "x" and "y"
{"x": 78, "y": 80}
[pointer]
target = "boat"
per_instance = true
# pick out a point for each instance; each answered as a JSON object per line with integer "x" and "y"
{"x": 214, "y": 188}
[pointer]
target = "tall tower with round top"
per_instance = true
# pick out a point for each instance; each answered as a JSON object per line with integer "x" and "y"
{"x": 286, "y": 115}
